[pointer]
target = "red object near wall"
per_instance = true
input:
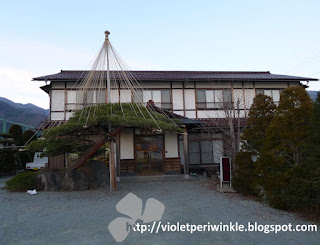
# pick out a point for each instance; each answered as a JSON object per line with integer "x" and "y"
{"x": 226, "y": 169}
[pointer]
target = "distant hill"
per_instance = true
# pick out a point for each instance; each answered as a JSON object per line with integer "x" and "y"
{"x": 313, "y": 94}
{"x": 27, "y": 114}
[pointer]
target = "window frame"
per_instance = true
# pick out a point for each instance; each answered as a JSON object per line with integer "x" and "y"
{"x": 161, "y": 104}
{"x": 217, "y": 104}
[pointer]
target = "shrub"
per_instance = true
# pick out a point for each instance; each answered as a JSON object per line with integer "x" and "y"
{"x": 22, "y": 182}
{"x": 16, "y": 131}
{"x": 303, "y": 190}
{"x": 243, "y": 178}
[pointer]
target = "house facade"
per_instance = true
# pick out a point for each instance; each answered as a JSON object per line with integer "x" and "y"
{"x": 195, "y": 95}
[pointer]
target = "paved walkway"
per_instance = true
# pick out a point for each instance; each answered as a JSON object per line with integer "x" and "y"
{"x": 83, "y": 217}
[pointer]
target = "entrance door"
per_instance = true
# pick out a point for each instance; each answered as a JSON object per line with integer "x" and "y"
{"x": 149, "y": 156}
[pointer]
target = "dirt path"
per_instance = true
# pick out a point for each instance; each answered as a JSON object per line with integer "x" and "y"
{"x": 83, "y": 217}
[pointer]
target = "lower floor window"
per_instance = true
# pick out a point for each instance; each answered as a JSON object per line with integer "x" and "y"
{"x": 205, "y": 151}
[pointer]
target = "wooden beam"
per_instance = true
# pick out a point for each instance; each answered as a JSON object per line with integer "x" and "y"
{"x": 91, "y": 150}
{"x": 185, "y": 152}
{"x": 113, "y": 183}
{"x": 118, "y": 154}
{"x": 102, "y": 139}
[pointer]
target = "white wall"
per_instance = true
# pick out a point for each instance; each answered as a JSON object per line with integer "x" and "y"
{"x": 114, "y": 96}
{"x": 238, "y": 95}
{"x": 271, "y": 84}
{"x": 211, "y": 114}
{"x": 217, "y": 150}
{"x": 155, "y": 84}
{"x": 179, "y": 113}
{"x": 249, "y": 96}
{"x": 177, "y": 84}
{"x": 57, "y": 85}
{"x": 171, "y": 145}
{"x": 294, "y": 83}
{"x": 190, "y": 99}
{"x": 125, "y": 95}
{"x": 71, "y": 96}
{"x": 213, "y": 85}
{"x": 126, "y": 144}
{"x": 68, "y": 115}
{"x": 57, "y": 100}
{"x": 56, "y": 116}
{"x": 177, "y": 99}
{"x": 191, "y": 114}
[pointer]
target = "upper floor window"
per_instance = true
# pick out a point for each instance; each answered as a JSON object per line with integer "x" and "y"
{"x": 77, "y": 99}
{"x": 213, "y": 99}
{"x": 161, "y": 98}
{"x": 273, "y": 93}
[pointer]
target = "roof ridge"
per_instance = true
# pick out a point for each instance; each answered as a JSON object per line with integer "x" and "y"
{"x": 163, "y": 71}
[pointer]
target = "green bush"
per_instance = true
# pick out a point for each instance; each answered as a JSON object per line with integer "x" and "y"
{"x": 243, "y": 179}
{"x": 22, "y": 182}
{"x": 303, "y": 190}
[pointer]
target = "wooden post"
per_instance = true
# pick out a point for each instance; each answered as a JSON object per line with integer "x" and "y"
{"x": 113, "y": 184}
{"x": 185, "y": 152}
{"x": 118, "y": 156}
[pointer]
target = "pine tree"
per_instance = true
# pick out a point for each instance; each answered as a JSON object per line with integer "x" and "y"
{"x": 314, "y": 133}
{"x": 77, "y": 135}
{"x": 288, "y": 131}
{"x": 260, "y": 116}
{"x": 29, "y": 135}
{"x": 281, "y": 157}
{"x": 16, "y": 132}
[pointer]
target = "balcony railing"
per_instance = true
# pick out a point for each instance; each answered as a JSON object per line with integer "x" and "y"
{"x": 79, "y": 106}
{"x": 164, "y": 105}
{"x": 214, "y": 105}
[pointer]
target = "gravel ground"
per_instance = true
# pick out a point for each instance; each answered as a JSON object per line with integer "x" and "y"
{"x": 83, "y": 217}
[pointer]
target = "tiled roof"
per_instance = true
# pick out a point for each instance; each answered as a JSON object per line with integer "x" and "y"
{"x": 221, "y": 122}
{"x": 178, "y": 76}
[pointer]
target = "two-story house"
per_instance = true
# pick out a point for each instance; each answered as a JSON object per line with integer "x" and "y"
{"x": 198, "y": 95}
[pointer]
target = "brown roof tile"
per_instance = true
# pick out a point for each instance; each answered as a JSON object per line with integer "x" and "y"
{"x": 179, "y": 76}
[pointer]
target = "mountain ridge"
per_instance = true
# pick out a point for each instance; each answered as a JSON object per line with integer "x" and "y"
{"x": 27, "y": 114}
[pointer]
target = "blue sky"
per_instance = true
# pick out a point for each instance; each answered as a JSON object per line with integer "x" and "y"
{"x": 43, "y": 37}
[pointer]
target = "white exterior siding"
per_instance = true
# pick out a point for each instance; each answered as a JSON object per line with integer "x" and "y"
{"x": 238, "y": 96}
{"x": 177, "y": 99}
{"x": 126, "y": 144}
{"x": 171, "y": 145}
{"x": 217, "y": 150}
{"x": 177, "y": 84}
{"x": 58, "y": 85}
{"x": 211, "y": 114}
{"x": 293, "y": 84}
{"x": 57, "y": 100}
{"x": 179, "y": 113}
{"x": 125, "y": 95}
{"x": 248, "y": 84}
{"x": 190, "y": 99}
{"x": 155, "y": 84}
{"x": 68, "y": 115}
{"x": 184, "y": 100}
{"x": 56, "y": 116}
{"x": 272, "y": 84}
{"x": 237, "y": 84}
{"x": 249, "y": 96}
{"x": 114, "y": 96}
{"x": 191, "y": 114}
{"x": 71, "y": 96}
